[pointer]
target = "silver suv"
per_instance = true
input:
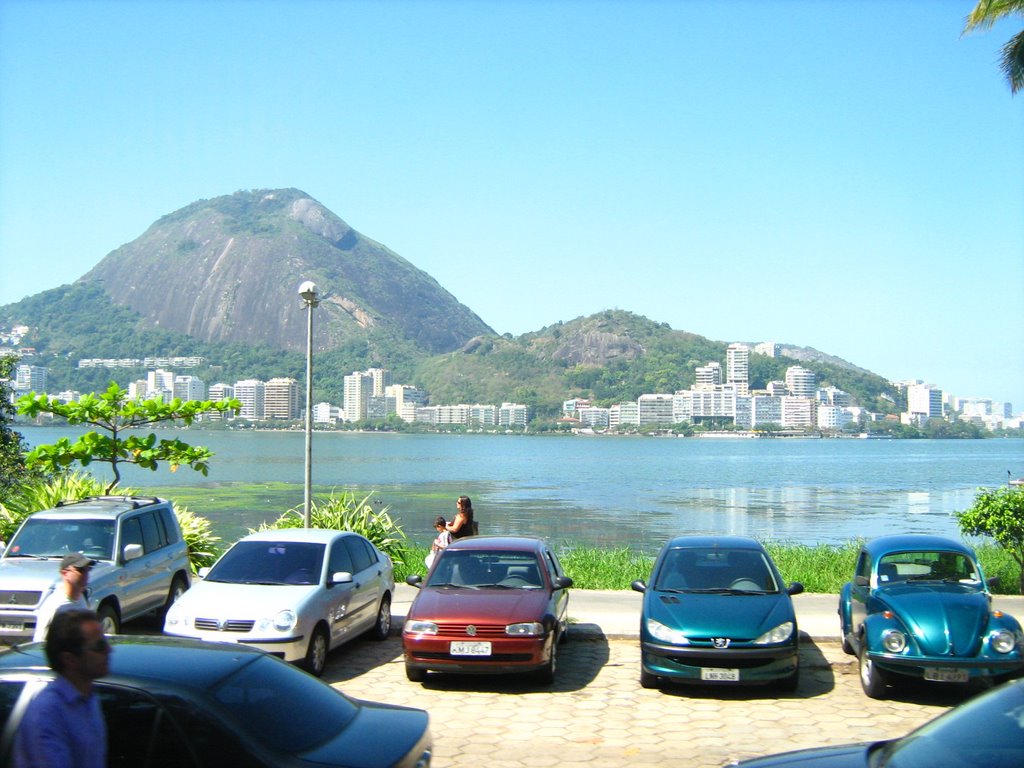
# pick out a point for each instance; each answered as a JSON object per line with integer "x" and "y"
{"x": 141, "y": 560}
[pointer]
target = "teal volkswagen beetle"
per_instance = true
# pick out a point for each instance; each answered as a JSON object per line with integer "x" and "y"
{"x": 717, "y": 612}
{"x": 919, "y": 607}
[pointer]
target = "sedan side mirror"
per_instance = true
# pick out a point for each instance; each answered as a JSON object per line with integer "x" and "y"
{"x": 339, "y": 577}
{"x": 795, "y": 588}
{"x": 992, "y": 581}
{"x": 639, "y": 586}
{"x": 562, "y": 582}
{"x": 414, "y": 580}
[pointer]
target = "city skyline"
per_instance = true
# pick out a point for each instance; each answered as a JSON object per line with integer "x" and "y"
{"x": 809, "y": 173}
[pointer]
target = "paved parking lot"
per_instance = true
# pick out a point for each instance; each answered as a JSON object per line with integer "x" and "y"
{"x": 597, "y": 714}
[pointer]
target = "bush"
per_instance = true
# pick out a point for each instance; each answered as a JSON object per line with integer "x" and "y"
{"x": 345, "y": 513}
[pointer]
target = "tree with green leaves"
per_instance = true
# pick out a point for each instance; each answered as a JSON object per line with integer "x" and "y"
{"x": 13, "y": 472}
{"x": 998, "y": 513}
{"x": 985, "y": 14}
{"x": 114, "y": 414}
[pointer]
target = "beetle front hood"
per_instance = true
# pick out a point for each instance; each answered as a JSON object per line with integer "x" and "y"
{"x": 741, "y": 617}
{"x": 946, "y": 619}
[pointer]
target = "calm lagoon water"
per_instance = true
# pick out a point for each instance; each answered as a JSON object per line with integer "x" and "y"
{"x": 608, "y": 491}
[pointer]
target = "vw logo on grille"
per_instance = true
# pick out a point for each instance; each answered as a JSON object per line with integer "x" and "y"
{"x": 471, "y": 630}
{"x": 720, "y": 642}
{"x": 221, "y": 624}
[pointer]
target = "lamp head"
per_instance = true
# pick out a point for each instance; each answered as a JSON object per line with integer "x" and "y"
{"x": 308, "y": 292}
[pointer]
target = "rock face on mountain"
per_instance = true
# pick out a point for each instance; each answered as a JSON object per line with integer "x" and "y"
{"x": 228, "y": 270}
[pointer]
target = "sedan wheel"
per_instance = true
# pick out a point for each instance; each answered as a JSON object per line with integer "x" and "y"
{"x": 546, "y": 674}
{"x": 872, "y": 679}
{"x": 647, "y": 680}
{"x": 415, "y": 674}
{"x": 316, "y": 655}
{"x": 382, "y": 627}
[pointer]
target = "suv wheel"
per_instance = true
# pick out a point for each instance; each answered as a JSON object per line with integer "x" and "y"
{"x": 109, "y": 619}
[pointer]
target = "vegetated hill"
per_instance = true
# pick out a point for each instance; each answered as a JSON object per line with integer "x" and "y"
{"x": 227, "y": 270}
{"x": 611, "y": 357}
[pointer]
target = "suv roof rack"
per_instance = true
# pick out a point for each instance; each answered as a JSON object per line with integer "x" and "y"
{"x": 135, "y": 501}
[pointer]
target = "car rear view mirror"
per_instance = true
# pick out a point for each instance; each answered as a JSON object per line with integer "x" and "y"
{"x": 132, "y": 552}
{"x": 340, "y": 577}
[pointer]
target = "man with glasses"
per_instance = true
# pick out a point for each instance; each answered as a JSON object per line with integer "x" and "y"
{"x": 69, "y": 594}
{"x": 63, "y": 725}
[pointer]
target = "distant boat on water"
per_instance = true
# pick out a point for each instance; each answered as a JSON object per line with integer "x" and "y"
{"x": 1015, "y": 481}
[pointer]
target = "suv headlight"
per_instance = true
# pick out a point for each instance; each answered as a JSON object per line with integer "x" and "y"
{"x": 779, "y": 634}
{"x": 1003, "y": 641}
{"x": 525, "y": 629}
{"x": 666, "y": 634}
{"x": 894, "y": 641}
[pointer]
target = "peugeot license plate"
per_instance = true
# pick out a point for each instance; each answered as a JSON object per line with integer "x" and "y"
{"x": 464, "y": 648}
{"x": 946, "y": 675}
{"x": 713, "y": 674}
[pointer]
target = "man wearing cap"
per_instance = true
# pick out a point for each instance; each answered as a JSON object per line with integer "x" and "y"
{"x": 69, "y": 594}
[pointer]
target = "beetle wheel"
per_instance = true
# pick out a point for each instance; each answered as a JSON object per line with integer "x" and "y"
{"x": 872, "y": 679}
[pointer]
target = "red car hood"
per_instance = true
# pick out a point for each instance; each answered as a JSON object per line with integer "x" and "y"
{"x": 479, "y": 606}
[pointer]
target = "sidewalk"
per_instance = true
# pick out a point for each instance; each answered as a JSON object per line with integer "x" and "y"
{"x": 615, "y": 614}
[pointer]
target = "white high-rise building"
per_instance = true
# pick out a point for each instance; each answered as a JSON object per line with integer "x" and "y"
{"x": 924, "y": 402}
{"x": 358, "y": 389}
{"x": 381, "y": 380}
{"x": 708, "y": 376}
{"x": 218, "y": 392}
{"x": 29, "y": 378}
{"x": 800, "y": 381}
{"x": 737, "y": 363}
{"x": 250, "y": 393}
{"x": 407, "y": 399}
{"x": 623, "y": 413}
{"x": 189, "y": 388}
{"x": 655, "y": 409}
{"x": 513, "y": 415}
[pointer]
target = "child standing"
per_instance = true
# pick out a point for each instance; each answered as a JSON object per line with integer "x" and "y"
{"x": 441, "y": 542}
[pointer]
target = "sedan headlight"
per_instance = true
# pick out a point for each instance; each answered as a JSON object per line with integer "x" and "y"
{"x": 1003, "y": 641}
{"x": 176, "y": 617}
{"x": 284, "y": 621}
{"x": 525, "y": 629}
{"x": 894, "y": 641}
{"x": 779, "y": 634}
{"x": 419, "y": 628}
{"x": 666, "y": 634}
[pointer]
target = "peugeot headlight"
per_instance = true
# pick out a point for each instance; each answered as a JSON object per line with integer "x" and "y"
{"x": 525, "y": 629}
{"x": 894, "y": 641}
{"x": 666, "y": 634}
{"x": 419, "y": 628}
{"x": 779, "y": 634}
{"x": 1003, "y": 641}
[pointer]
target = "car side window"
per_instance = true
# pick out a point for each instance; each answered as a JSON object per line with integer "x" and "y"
{"x": 554, "y": 569}
{"x": 360, "y": 554}
{"x": 152, "y": 533}
{"x": 10, "y": 690}
{"x": 131, "y": 533}
{"x": 864, "y": 565}
{"x": 140, "y": 732}
{"x": 168, "y": 525}
{"x": 340, "y": 560}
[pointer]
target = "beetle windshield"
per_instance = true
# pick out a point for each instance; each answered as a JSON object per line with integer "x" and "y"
{"x": 270, "y": 562}
{"x": 715, "y": 570}
{"x": 918, "y": 566}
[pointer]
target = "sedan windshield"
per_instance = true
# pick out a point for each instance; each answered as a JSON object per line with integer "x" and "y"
{"x": 46, "y": 537}
{"x": 715, "y": 570}
{"x": 270, "y": 562}
{"x": 259, "y": 694}
{"x": 497, "y": 569}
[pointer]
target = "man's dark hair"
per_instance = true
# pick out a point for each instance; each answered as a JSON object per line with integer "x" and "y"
{"x": 65, "y": 635}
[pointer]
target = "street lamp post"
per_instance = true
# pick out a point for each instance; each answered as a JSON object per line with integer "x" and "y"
{"x": 310, "y": 301}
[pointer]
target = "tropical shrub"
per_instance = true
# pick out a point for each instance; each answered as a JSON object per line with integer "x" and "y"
{"x": 345, "y": 513}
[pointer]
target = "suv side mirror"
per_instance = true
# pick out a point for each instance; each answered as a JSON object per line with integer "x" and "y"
{"x": 132, "y": 552}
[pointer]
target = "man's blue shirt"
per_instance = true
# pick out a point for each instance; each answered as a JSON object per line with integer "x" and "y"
{"x": 61, "y": 729}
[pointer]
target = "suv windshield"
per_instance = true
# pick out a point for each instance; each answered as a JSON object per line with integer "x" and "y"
{"x": 49, "y": 537}
{"x": 270, "y": 562}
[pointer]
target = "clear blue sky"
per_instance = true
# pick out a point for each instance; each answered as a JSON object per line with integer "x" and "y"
{"x": 842, "y": 175}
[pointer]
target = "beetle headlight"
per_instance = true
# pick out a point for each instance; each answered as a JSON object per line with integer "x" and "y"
{"x": 1003, "y": 641}
{"x": 419, "y": 628}
{"x": 525, "y": 629}
{"x": 894, "y": 641}
{"x": 779, "y": 634}
{"x": 666, "y": 634}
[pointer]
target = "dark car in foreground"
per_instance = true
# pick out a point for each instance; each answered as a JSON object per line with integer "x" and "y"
{"x": 716, "y": 611}
{"x": 490, "y": 604}
{"x": 985, "y": 731}
{"x": 190, "y": 704}
{"x": 919, "y": 607}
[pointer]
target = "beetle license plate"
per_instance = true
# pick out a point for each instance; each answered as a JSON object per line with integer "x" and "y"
{"x": 463, "y": 648}
{"x": 946, "y": 675}
{"x": 720, "y": 675}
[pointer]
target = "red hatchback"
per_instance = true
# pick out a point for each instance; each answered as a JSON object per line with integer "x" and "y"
{"x": 490, "y": 604}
